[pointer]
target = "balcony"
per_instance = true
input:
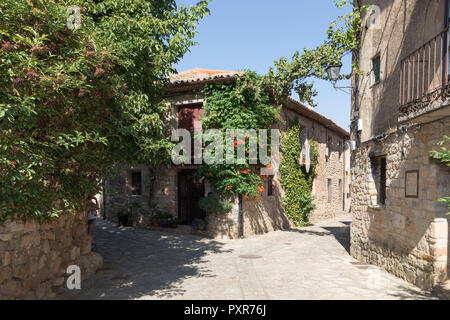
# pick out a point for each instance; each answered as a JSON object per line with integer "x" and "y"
{"x": 424, "y": 82}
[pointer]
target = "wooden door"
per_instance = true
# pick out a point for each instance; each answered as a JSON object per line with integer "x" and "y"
{"x": 190, "y": 192}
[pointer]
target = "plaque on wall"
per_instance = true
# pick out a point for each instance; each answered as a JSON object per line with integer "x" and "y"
{"x": 412, "y": 184}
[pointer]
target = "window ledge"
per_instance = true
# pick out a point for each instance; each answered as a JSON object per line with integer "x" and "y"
{"x": 378, "y": 207}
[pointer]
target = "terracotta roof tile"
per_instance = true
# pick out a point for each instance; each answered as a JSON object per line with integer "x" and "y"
{"x": 198, "y": 74}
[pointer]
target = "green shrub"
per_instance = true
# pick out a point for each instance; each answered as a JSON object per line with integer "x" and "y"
{"x": 215, "y": 204}
{"x": 75, "y": 102}
{"x": 444, "y": 157}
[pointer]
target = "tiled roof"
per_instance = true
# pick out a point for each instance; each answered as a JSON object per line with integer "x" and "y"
{"x": 313, "y": 114}
{"x": 198, "y": 75}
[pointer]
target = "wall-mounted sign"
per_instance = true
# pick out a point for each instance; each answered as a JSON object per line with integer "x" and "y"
{"x": 412, "y": 184}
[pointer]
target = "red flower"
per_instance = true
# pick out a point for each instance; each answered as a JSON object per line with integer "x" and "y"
{"x": 210, "y": 174}
{"x": 260, "y": 188}
{"x": 82, "y": 92}
{"x": 258, "y": 197}
{"x": 269, "y": 150}
{"x": 278, "y": 117}
{"x": 90, "y": 52}
{"x": 99, "y": 72}
{"x": 246, "y": 196}
{"x": 32, "y": 74}
{"x": 269, "y": 166}
{"x": 248, "y": 151}
{"x": 246, "y": 171}
{"x": 18, "y": 82}
{"x": 7, "y": 46}
{"x": 229, "y": 187}
{"x": 39, "y": 51}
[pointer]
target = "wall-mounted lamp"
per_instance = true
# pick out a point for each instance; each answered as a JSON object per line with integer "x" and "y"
{"x": 353, "y": 145}
{"x": 334, "y": 74}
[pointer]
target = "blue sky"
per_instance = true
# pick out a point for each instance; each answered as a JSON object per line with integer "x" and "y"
{"x": 251, "y": 34}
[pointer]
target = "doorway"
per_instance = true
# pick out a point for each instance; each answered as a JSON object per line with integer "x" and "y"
{"x": 190, "y": 191}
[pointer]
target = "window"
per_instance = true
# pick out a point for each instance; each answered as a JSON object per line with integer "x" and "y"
{"x": 383, "y": 181}
{"x": 340, "y": 149}
{"x": 328, "y": 150}
{"x": 341, "y": 197}
{"x": 379, "y": 177}
{"x": 136, "y": 183}
{"x": 376, "y": 70}
{"x": 329, "y": 190}
{"x": 189, "y": 117}
{"x": 270, "y": 186}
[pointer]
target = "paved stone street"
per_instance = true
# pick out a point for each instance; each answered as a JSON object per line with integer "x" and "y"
{"x": 307, "y": 263}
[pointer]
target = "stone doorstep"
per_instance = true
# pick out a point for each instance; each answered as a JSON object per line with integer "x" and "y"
{"x": 181, "y": 229}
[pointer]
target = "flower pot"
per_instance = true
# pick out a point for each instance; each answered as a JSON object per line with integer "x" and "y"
{"x": 155, "y": 222}
{"x": 173, "y": 224}
{"x": 123, "y": 221}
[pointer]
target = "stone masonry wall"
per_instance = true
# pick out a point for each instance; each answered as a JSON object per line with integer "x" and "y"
{"x": 260, "y": 216}
{"x": 34, "y": 257}
{"x": 408, "y": 236}
{"x": 160, "y": 185}
{"x": 331, "y": 167}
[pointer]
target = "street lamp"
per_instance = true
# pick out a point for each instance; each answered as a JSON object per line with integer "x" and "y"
{"x": 334, "y": 73}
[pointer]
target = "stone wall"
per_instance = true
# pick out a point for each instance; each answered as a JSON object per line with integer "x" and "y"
{"x": 408, "y": 236}
{"x": 34, "y": 257}
{"x": 160, "y": 185}
{"x": 259, "y": 216}
{"x": 331, "y": 167}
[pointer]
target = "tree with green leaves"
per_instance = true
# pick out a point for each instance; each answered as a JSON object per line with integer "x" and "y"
{"x": 443, "y": 156}
{"x": 343, "y": 37}
{"x": 80, "y": 90}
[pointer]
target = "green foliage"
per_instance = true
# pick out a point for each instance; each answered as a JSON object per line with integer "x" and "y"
{"x": 444, "y": 157}
{"x": 242, "y": 104}
{"x": 74, "y": 102}
{"x": 444, "y": 154}
{"x": 215, "y": 204}
{"x": 199, "y": 224}
{"x": 298, "y": 201}
{"x": 343, "y": 36}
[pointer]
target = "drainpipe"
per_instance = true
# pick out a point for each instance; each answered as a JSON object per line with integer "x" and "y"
{"x": 240, "y": 219}
{"x": 445, "y": 47}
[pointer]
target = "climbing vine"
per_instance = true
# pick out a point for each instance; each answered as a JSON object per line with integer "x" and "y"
{"x": 242, "y": 104}
{"x": 297, "y": 183}
{"x": 444, "y": 156}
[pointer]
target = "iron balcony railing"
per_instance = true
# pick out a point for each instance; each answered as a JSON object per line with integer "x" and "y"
{"x": 424, "y": 74}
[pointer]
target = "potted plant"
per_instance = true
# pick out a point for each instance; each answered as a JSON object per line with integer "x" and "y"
{"x": 124, "y": 217}
{"x": 215, "y": 204}
{"x": 199, "y": 224}
{"x": 164, "y": 220}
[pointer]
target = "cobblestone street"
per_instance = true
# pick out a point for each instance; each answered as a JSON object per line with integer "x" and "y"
{"x": 307, "y": 263}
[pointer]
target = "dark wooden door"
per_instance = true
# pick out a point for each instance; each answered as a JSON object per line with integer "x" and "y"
{"x": 190, "y": 192}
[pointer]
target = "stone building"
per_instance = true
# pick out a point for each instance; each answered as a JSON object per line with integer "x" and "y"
{"x": 173, "y": 189}
{"x": 400, "y": 110}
